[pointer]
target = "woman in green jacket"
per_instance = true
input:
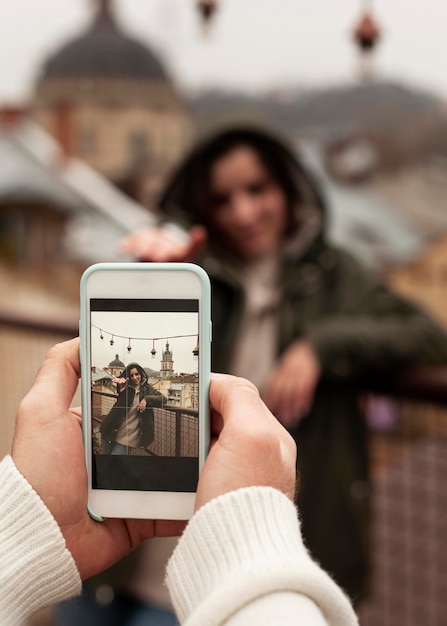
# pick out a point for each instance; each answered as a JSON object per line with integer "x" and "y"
{"x": 299, "y": 317}
{"x": 130, "y": 422}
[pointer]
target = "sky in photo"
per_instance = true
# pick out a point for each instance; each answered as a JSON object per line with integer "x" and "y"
{"x": 179, "y": 329}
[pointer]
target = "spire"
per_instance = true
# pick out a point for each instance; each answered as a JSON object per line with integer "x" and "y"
{"x": 104, "y": 11}
{"x": 167, "y": 363}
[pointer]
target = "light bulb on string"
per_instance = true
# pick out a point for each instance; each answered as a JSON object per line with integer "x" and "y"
{"x": 207, "y": 9}
{"x": 129, "y": 347}
{"x": 153, "y": 351}
{"x": 195, "y": 352}
{"x": 366, "y": 33}
{"x": 112, "y": 341}
{"x": 101, "y": 336}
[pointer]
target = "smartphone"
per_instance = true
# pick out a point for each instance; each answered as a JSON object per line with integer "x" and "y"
{"x": 145, "y": 333}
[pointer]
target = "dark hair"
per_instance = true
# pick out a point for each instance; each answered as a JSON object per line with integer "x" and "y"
{"x": 126, "y": 371}
{"x": 188, "y": 192}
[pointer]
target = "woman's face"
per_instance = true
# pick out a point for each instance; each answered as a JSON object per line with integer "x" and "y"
{"x": 249, "y": 207}
{"x": 135, "y": 377}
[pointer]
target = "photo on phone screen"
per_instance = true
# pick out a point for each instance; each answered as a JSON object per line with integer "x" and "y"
{"x": 144, "y": 394}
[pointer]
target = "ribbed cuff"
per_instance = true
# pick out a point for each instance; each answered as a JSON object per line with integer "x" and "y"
{"x": 36, "y": 569}
{"x": 239, "y": 547}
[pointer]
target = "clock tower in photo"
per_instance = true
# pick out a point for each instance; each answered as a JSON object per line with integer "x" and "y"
{"x": 167, "y": 363}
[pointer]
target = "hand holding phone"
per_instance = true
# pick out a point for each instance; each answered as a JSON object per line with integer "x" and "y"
{"x": 243, "y": 428}
{"x": 145, "y": 354}
{"x": 48, "y": 450}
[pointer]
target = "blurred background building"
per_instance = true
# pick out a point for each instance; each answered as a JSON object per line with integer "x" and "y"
{"x": 108, "y": 100}
{"x": 104, "y": 122}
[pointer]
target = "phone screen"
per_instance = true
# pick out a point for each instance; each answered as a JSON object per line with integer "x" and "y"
{"x": 145, "y": 394}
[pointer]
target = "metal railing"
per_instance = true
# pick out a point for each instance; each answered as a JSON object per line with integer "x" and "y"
{"x": 176, "y": 431}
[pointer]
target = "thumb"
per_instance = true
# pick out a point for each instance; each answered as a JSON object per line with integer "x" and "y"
{"x": 57, "y": 378}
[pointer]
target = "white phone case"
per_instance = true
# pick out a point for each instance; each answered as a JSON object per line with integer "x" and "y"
{"x": 158, "y": 314}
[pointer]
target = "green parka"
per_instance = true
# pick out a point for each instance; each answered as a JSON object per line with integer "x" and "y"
{"x": 361, "y": 332}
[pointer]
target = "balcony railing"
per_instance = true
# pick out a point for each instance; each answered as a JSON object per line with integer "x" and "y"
{"x": 176, "y": 429}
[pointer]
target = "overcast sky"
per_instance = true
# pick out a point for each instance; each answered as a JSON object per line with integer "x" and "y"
{"x": 254, "y": 44}
{"x": 141, "y": 329}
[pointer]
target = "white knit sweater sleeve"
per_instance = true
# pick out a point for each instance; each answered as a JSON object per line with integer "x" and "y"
{"x": 36, "y": 569}
{"x": 241, "y": 560}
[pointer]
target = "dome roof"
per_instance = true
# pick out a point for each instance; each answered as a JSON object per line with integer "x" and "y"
{"x": 104, "y": 51}
{"x": 116, "y": 362}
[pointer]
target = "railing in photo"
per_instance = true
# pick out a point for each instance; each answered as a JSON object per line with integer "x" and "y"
{"x": 176, "y": 428}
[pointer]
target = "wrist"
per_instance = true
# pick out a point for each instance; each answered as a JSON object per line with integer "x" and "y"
{"x": 37, "y": 569}
{"x": 230, "y": 520}
{"x": 243, "y": 546}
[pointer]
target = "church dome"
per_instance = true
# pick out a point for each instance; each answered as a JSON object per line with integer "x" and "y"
{"x": 116, "y": 362}
{"x": 104, "y": 51}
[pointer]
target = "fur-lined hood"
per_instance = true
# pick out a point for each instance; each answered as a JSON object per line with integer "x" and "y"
{"x": 184, "y": 198}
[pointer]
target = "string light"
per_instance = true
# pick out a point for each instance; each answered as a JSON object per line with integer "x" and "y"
{"x": 153, "y": 351}
{"x": 195, "y": 351}
{"x": 366, "y": 33}
{"x": 206, "y": 8}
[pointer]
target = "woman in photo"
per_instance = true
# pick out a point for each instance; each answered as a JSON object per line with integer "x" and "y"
{"x": 130, "y": 422}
